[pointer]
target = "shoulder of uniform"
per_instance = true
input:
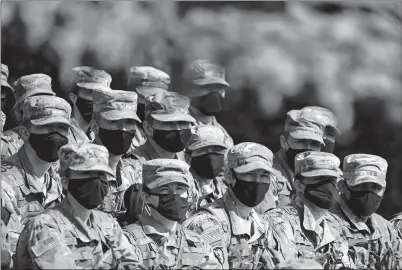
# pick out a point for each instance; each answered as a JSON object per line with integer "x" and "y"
{"x": 42, "y": 220}
{"x": 381, "y": 220}
{"x": 191, "y": 235}
{"x": 12, "y": 134}
{"x": 10, "y": 172}
{"x": 396, "y": 217}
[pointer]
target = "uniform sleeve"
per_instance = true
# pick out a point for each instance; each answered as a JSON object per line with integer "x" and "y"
{"x": 128, "y": 254}
{"x": 282, "y": 234}
{"x": 210, "y": 230}
{"x": 396, "y": 245}
{"x": 40, "y": 247}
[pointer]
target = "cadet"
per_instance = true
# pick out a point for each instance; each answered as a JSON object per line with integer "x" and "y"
{"x": 325, "y": 118}
{"x": 29, "y": 172}
{"x": 164, "y": 243}
{"x": 25, "y": 87}
{"x": 230, "y": 224}
{"x": 10, "y": 225}
{"x": 7, "y": 96}
{"x": 208, "y": 86}
{"x": 114, "y": 123}
{"x": 73, "y": 235}
{"x": 85, "y": 80}
{"x": 396, "y": 221}
{"x": 300, "y": 229}
{"x": 145, "y": 81}
{"x": 205, "y": 153}
{"x": 373, "y": 241}
{"x": 299, "y": 136}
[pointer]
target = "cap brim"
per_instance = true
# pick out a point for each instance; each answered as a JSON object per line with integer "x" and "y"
{"x": 94, "y": 168}
{"x": 166, "y": 180}
{"x": 51, "y": 120}
{"x": 145, "y": 91}
{"x": 120, "y": 114}
{"x": 201, "y": 144}
{"x": 34, "y": 93}
{"x": 174, "y": 117}
{"x": 7, "y": 85}
{"x": 211, "y": 80}
{"x": 305, "y": 135}
{"x": 256, "y": 165}
{"x": 366, "y": 179}
{"x": 320, "y": 172}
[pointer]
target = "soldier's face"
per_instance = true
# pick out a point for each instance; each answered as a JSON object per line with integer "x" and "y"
{"x": 169, "y": 189}
{"x": 120, "y": 124}
{"x": 365, "y": 187}
{"x": 311, "y": 145}
{"x": 259, "y": 175}
{"x": 63, "y": 129}
{"x": 209, "y": 88}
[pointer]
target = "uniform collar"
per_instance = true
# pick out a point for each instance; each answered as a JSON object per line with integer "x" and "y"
{"x": 151, "y": 226}
{"x": 353, "y": 220}
{"x": 194, "y": 112}
{"x": 253, "y": 225}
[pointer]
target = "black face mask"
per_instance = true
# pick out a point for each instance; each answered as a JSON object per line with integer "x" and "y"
{"x": 210, "y": 104}
{"x": 47, "y": 145}
{"x": 291, "y": 154}
{"x": 250, "y": 194}
{"x": 363, "y": 203}
{"x": 329, "y": 146}
{"x": 320, "y": 194}
{"x": 208, "y": 166}
{"x": 85, "y": 107}
{"x": 89, "y": 192}
{"x": 116, "y": 141}
{"x": 141, "y": 111}
{"x": 172, "y": 141}
{"x": 172, "y": 206}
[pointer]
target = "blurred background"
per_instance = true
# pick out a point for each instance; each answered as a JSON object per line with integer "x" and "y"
{"x": 278, "y": 56}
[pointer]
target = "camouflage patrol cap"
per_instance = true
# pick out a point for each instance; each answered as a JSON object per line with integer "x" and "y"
{"x": 147, "y": 81}
{"x": 204, "y": 72}
{"x": 160, "y": 172}
{"x": 321, "y": 116}
{"x": 84, "y": 157}
{"x": 168, "y": 107}
{"x": 302, "y": 129}
{"x": 4, "y": 77}
{"x": 32, "y": 85}
{"x": 206, "y": 135}
{"x": 86, "y": 74}
{"x": 363, "y": 168}
{"x": 43, "y": 110}
{"x": 115, "y": 105}
{"x": 93, "y": 86}
{"x": 2, "y": 120}
{"x": 299, "y": 263}
{"x": 314, "y": 163}
{"x": 249, "y": 156}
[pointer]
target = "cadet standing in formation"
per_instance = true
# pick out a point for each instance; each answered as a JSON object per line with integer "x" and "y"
{"x": 147, "y": 178}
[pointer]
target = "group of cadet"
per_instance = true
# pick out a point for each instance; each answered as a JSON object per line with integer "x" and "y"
{"x": 146, "y": 178}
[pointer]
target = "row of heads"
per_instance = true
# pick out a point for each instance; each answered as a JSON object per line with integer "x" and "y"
{"x": 241, "y": 158}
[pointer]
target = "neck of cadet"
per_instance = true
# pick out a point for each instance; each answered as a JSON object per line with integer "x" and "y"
{"x": 38, "y": 166}
{"x": 113, "y": 161}
{"x": 80, "y": 120}
{"x": 81, "y": 212}
{"x": 161, "y": 152}
{"x": 318, "y": 213}
{"x": 241, "y": 210}
{"x": 165, "y": 225}
{"x": 205, "y": 119}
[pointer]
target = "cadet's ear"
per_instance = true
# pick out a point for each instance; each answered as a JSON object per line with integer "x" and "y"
{"x": 147, "y": 128}
{"x": 24, "y": 133}
{"x": 283, "y": 142}
{"x": 73, "y": 98}
{"x": 342, "y": 187}
{"x": 299, "y": 187}
{"x": 94, "y": 126}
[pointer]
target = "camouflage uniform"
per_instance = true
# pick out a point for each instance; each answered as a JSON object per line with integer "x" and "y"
{"x": 7, "y": 147}
{"x": 179, "y": 249}
{"x": 10, "y": 222}
{"x": 89, "y": 79}
{"x": 299, "y": 264}
{"x": 203, "y": 72}
{"x": 295, "y": 229}
{"x": 205, "y": 136}
{"x": 374, "y": 244}
{"x": 10, "y": 96}
{"x": 25, "y": 87}
{"x": 298, "y": 128}
{"x": 243, "y": 242}
{"x": 118, "y": 105}
{"x": 58, "y": 238}
{"x": 396, "y": 221}
{"x": 145, "y": 81}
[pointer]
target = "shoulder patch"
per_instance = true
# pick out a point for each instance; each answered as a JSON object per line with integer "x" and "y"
{"x": 44, "y": 245}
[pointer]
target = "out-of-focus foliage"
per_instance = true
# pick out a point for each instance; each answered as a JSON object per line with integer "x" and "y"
{"x": 346, "y": 57}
